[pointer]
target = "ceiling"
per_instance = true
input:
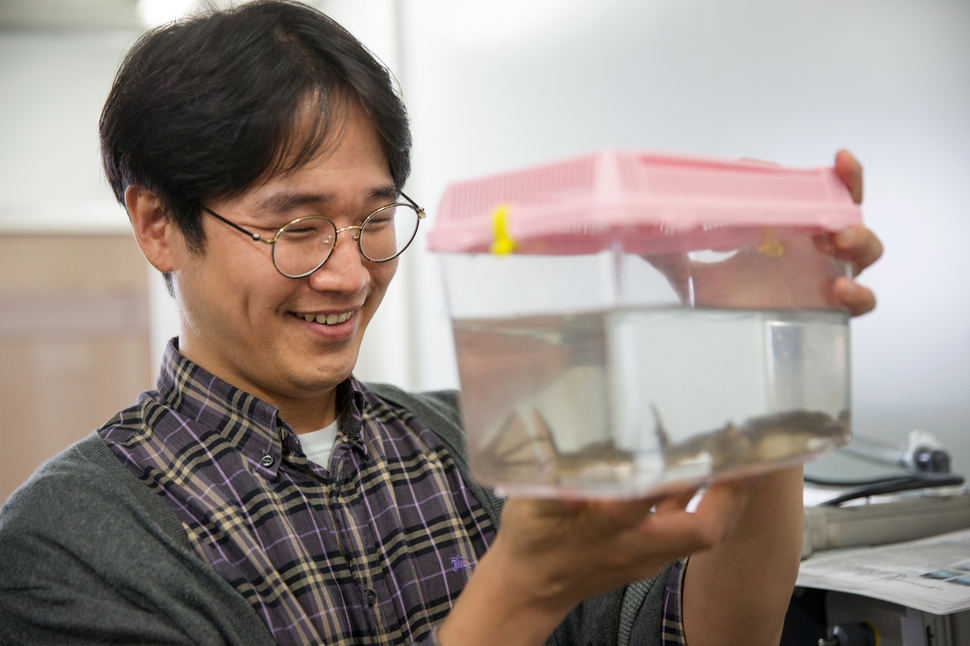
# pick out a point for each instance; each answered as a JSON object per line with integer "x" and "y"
{"x": 69, "y": 14}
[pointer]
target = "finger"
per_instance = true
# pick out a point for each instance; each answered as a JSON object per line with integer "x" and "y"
{"x": 726, "y": 496}
{"x": 621, "y": 514}
{"x": 856, "y": 298}
{"x": 683, "y": 533}
{"x": 629, "y": 513}
{"x": 859, "y": 244}
{"x": 849, "y": 171}
{"x": 676, "y": 502}
{"x": 722, "y": 504}
{"x": 545, "y": 510}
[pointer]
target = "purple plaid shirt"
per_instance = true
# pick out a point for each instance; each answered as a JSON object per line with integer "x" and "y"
{"x": 373, "y": 549}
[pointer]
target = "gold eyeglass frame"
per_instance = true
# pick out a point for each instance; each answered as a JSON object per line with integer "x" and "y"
{"x": 359, "y": 227}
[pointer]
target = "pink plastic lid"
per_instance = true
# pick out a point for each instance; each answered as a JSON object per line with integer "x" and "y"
{"x": 643, "y": 201}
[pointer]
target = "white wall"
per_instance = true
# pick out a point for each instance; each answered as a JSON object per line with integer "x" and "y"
{"x": 495, "y": 85}
{"x": 52, "y": 86}
{"x": 389, "y": 353}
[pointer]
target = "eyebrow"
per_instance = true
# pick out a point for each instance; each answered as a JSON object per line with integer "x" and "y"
{"x": 284, "y": 201}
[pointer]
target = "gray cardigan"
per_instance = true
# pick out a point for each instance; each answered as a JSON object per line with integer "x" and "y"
{"x": 85, "y": 537}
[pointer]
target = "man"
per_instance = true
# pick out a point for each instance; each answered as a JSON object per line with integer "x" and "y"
{"x": 262, "y": 495}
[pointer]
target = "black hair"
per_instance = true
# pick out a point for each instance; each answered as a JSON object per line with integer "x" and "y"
{"x": 202, "y": 109}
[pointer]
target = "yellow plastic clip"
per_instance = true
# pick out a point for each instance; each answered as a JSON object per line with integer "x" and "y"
{"x": 503, "y": 244}
{"x": 770, "y": 246}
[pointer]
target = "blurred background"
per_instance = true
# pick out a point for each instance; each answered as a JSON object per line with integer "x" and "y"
{"x": 491, "y": 87}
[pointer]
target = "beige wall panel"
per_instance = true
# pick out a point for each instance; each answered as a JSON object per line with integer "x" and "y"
{"x": 56, "y": 392}
{"x": 85, "y": 263}
{"x": 74, "y": 342}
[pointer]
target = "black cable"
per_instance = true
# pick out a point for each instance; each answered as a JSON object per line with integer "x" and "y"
{"x": 881, "y": 486}
{"x": 842, "y": 484}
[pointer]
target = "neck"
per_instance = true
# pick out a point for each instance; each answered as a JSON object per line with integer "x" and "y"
{"x": 306, "y": 415}
{"x": 303, "y": 413}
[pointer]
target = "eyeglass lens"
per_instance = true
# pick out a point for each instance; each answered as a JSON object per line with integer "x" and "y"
{"x": 303, "y": 245}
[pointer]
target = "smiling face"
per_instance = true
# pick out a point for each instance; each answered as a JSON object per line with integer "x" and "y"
{"x": 288, "y": 341}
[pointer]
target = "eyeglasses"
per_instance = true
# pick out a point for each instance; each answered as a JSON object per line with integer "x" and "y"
{"x": 302, "y": 246}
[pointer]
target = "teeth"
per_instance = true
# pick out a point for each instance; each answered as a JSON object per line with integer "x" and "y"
{"x": 327, "y": 319}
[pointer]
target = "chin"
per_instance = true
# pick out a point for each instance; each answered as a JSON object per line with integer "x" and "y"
{"x": 328, "y": 376}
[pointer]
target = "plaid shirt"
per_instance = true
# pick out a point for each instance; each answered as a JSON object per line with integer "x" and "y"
{"x": 372, "y": 550}
{"x": 672, "y": 630}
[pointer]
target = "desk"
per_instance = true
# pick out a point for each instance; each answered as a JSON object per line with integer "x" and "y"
{"x": 813, "y": 612}
{"x": 914, "y": 593}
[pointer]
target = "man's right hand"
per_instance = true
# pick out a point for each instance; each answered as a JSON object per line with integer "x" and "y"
{"x": 551, "y": 554}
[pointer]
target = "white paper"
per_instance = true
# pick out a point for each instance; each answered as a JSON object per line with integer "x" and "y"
{"x": 932, "y": 574}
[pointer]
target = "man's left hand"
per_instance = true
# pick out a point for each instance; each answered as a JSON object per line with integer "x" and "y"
{"x": 856, "y": 243}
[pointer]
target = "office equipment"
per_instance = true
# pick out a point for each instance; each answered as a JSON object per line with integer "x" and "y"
{"x": 902, "y": 519}
{"x": 914, "y": 593}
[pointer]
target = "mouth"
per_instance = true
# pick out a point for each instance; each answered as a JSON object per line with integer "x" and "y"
{"x": 325, "y": 319}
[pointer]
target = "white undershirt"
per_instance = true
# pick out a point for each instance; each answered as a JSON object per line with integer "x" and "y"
{"x": 318, "y": 445}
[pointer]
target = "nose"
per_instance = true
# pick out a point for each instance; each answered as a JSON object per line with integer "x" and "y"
{"x": 345, "y": 271}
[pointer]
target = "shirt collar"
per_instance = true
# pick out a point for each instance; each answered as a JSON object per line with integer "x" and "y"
{"x": 247, "y": 422}
{"x": 350, "y": 403}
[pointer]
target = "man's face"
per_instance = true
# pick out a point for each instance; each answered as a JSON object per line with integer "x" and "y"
{"x": 246, "y": 323}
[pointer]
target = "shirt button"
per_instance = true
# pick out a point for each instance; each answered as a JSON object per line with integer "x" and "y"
{"x": 267, "y": 461}
{"x": 371, "y": 597}
{"x": 283, "y": 433}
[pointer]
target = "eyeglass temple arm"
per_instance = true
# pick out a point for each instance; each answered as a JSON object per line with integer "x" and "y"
{"x": 419, "y": 209}
{"x": 254, "y": 236}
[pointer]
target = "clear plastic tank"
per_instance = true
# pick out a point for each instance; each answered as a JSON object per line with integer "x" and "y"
{"x": 612, "y": 357}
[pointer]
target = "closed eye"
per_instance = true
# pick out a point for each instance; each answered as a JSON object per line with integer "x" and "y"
{"x": 381, "y": 219}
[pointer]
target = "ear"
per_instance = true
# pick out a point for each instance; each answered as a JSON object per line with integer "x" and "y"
{"x": 155, "y": 232}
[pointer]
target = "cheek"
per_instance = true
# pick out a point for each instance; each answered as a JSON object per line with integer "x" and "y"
{"x": 381, "y": 275}
{"x": 235, "y": 285}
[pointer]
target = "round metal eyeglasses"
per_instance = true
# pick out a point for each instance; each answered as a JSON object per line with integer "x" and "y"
{"x": 303, "y": 246}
